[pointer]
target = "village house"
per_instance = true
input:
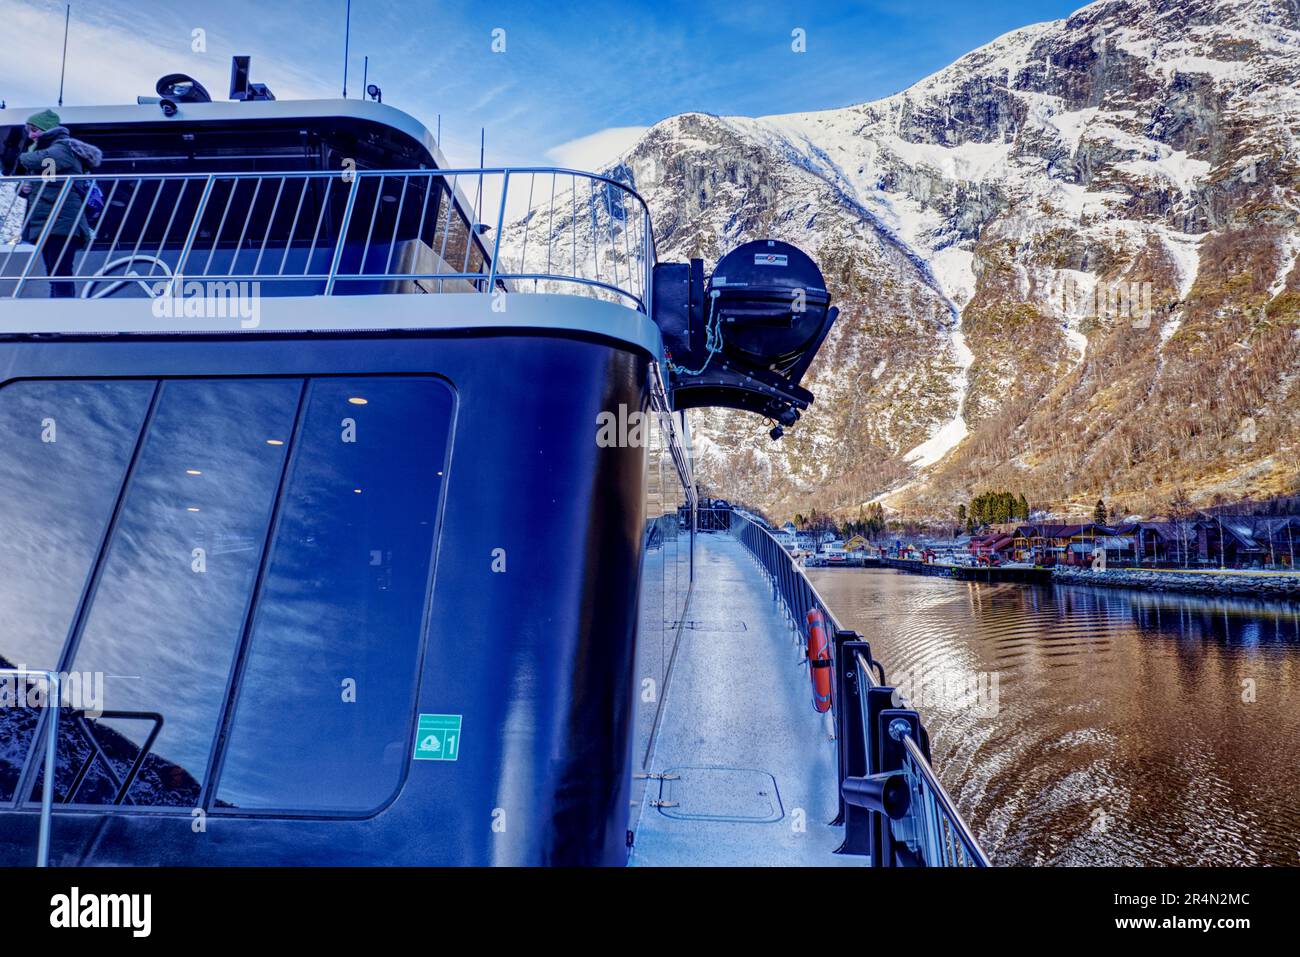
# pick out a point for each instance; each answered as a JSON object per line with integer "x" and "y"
{"x": 1246, "y": 541}
{"x": 1051, "y": 544}
{"x": 1205, "y": 541}
{"x": 1154, "y": 543}
{"x": 995, "y": 546}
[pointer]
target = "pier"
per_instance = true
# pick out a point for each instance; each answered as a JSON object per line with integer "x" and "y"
{"x": 1022, "y": 574}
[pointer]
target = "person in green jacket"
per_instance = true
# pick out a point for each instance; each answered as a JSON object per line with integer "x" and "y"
{"x": 53, "y": 151}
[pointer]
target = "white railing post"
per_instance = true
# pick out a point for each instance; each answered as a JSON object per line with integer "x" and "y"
{"x": 43, "y": 238}
{"x": 337, "y": 258}
{"x": 496, "y": 246}
{"x": 53, "y": 701}
{"x": 192, "y": 234}
{"x": 648, "y": 251}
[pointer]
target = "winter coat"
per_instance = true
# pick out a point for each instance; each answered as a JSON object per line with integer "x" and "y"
{"x": 71, "y": 157}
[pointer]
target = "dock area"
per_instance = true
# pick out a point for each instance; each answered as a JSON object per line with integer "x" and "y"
{"x": 743, "y": 770}
{"x": 1023, "y": 574}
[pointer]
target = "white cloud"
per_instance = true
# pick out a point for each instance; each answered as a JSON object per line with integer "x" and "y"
{"x": 596, "y": 150}
{"x": 586, "y": 153}
{"x": 111, "y": 62}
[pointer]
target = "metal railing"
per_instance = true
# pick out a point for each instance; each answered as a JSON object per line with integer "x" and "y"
{"x": 948, "y": 840}
{"x": 328, "y": 233}
{"x": 892, "y": 805}
{"x": 53, "y": 701}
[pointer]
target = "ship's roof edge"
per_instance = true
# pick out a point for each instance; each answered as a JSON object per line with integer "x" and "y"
{"x": 233, "y": 111}
{"x": 464, "y": 313}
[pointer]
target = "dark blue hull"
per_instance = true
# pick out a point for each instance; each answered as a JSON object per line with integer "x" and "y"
{"x": 532, "y": 647}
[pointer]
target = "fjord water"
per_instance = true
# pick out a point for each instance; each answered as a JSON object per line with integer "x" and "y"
{"x": 1091, "y": 726}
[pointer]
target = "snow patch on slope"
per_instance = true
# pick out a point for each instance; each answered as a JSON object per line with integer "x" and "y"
{"x": 1290, "y": 250}
{"x": 954, "y": 270}
{"x": 948, "y": 435}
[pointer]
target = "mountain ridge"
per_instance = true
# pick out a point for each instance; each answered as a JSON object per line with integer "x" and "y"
{"x": 1066, "y": 264}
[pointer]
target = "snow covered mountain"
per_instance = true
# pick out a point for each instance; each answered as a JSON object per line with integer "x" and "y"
{"x": 1066, "y": 265}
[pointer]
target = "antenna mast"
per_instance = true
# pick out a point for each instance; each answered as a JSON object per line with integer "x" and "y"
{"x": 63, "y": 66}
{"x": 347, "y": 38}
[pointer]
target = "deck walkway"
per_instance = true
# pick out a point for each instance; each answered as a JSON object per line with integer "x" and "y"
{"x": 755, "y": 766}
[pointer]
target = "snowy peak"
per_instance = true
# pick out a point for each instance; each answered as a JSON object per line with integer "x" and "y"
{"x": 1045, "y": 254}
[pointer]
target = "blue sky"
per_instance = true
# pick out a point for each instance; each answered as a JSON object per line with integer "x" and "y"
{"x": 574, "y": 80}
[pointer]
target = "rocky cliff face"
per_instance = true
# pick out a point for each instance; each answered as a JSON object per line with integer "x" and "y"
{"x": 1066, "y": 265}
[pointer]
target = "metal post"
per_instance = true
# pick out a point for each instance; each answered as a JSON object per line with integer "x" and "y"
{"x": 648, "y": 251}
{"x": 193, "y": 233}
{"x": 45, "y": 233}
{"x": 53, "y": 700}
{"x": 343, "y": 230}
{"x": 53, "y": 703}
{"x": 501, "y": 216}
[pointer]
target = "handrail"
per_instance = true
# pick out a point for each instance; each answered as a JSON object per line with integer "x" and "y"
{"x": 54, "y": 700}
{"x": 790, "y": 583}
{"x": 892, "y": 804}
{"x": 964, "y": 843}
{"x": 948, "y": 840}
{"x": 343, "y": 232}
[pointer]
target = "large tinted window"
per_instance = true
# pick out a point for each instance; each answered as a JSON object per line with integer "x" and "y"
{"x": 325, "y": 705}
{"x": 64, "y": 450}
{"x": 172, "y": 598}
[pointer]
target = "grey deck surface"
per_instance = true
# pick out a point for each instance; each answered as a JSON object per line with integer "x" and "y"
{"x": 755, "y": 766}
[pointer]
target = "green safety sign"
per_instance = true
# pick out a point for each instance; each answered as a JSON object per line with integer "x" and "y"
{"x": 437, "y": 737}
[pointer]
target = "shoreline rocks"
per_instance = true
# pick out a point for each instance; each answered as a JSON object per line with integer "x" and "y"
{"x": 1282, "y": 587}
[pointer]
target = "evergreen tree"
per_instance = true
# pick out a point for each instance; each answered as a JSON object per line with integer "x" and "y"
{"x": 1099, "y": 512}
{"x": 997, "y": 508}
{"x": 875, "y": 520}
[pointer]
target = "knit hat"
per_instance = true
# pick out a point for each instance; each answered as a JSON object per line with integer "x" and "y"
{"x": 44, "y": 121}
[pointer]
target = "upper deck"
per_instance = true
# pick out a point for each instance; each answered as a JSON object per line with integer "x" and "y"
{"x": 323, "y": 198}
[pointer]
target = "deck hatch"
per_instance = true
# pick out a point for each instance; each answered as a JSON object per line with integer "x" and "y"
{"x": 745, "y": 795}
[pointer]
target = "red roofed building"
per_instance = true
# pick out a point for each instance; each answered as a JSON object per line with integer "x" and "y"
{"x": 996, "y": 545}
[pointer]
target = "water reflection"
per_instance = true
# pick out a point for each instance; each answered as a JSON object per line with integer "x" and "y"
{"x": 1130, "y": 728}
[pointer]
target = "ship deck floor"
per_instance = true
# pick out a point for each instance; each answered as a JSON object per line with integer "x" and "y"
{"x": 753, "y": 765}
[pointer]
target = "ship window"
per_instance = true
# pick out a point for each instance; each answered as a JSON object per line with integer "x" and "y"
{"x": 325, "y": 712}
{"x": 65, "y": 450}
{"x": 172, "y": 597}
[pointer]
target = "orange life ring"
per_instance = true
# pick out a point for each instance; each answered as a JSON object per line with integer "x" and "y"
{"x": 819, "y": 661}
